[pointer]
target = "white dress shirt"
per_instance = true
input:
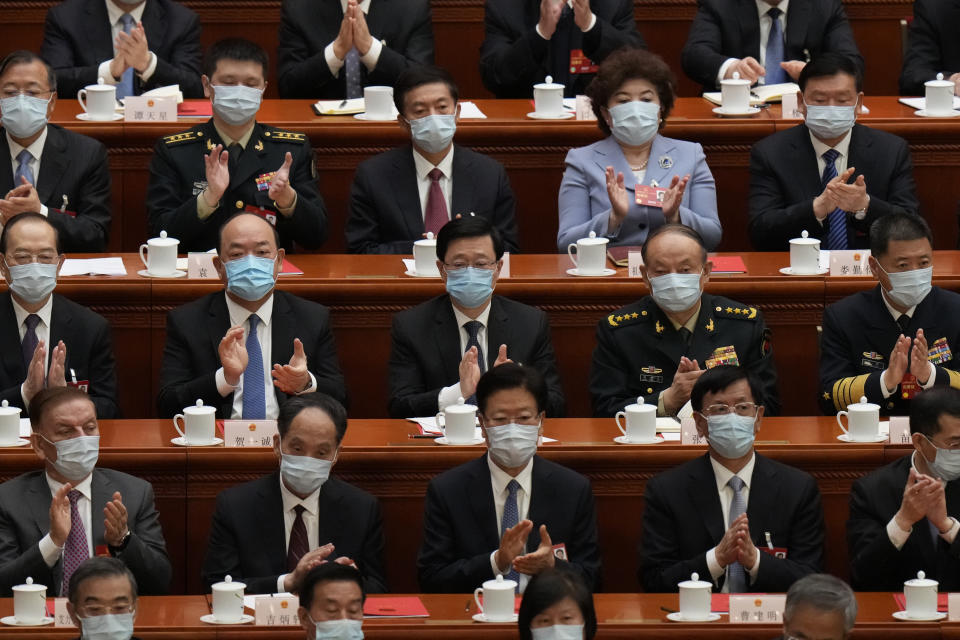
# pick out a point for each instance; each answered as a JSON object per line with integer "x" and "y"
{"x": 50, "y": 551}
{"x": 723, "y": 475}
{"x": 424, "y": 167}
{"x": 593, "y": 22}
{"x": 115, "y": 13}
{"x": 842, "y": 148}
{"x": 765, "y": 24}
{"x": 499, "y": 479}
{"x": 898, "y": 537}
{"x": 36, "y": 151}
{"x": 933, "y": 369}
{"x": 369, "y": 59}
{"x": 311, "y": 520}
{"x": 450, "y": 395}
{"x": 42, "y": 330}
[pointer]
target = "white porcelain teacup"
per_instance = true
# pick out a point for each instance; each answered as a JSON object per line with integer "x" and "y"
{"x": 641, "y": 422}
{"x": 228, "y": 600}
{"x": 30, "y": 602}
{"x": 425, "y": 256}
{"x": 548, "y": 98}
{"x": 199, "y": 423}
{"x": 161, "y": 257}
{"x": 939, "y": 96}
{"x": 378, "y": 102}
{"x": 805, "y": 254}
{"x": 9, "y": 424}
{"x": 920, "y": 595}
{"x": 735, "y": 94}
{"x": 498, "y": 599}
{"x": 458, "y": 422}
{"x": 99, "y": 101}
{"x": 863, "y": 419}
{"x": 695, "y": 598}
{"x": 589, "y": 255}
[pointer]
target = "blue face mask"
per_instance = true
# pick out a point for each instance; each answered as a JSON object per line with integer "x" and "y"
{"x": 304, "y": 474}
{"x": 512, "y": 445}
{"x": 34, "y": 281}
{"x": 828, "y": 122}
{"x": 909, "y": 288}
{"x": 946, "y": 464}
{"x": 635, "y": 122}
{"x": 433, "y": 133}
{"x": 731, "y": 435}
{"x": 250, "y": 277}
{"x": 76, "y": 457}
{"x": 469, "y": 286}
{"x": 676, "y": 292}
{"x": 107, "y": 627}
{"x": 342, "y": 629}
{"x": 558, "y": 632}
{"x": 23, "y": 115}
{"x": 236, "y": 104}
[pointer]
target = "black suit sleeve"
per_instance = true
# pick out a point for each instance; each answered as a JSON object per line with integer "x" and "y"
{"x": 363, "y": 224}
{"x": 871, "y": 552}
{"x": 609, "y": 382}
{"x": 301, "y": 74}
{"x": 57, "y": 52}
{"x": 146, "y": 552}
{"x": 103, "y": 374}
{"x": 89, "y": 229}
{"x": 408, "y": 395}
{"x": 838, "y": 36}
{"x": 308, "y": 222}
{"x": 609, "y": 35}
{"x": 924, "y": 56}
{"x": 544, "y": 360}
{"x": 323, "y": 361}
{"x": 180, "y": 385}
{"x": 166, "y": 207}
{"x": 701, "y": 57}
{"x": 901, "y": 191}
{"x": 504, "y": 212}
{"x": 15, "y": 565}
{"x": 584, "y": 549}
{"x": 510, "y": 63}
{"x": 773, "y": 220}
{"x": 419, "y": 49}
{"x": 183, "y": 65}
{"x": 223, "y": 552}
{"x": 370, "y": 562}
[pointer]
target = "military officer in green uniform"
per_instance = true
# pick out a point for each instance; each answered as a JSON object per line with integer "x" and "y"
{"x": 232, "y": 163}
{"x": 893, "y": 341}
{"x": 656, "y": 348}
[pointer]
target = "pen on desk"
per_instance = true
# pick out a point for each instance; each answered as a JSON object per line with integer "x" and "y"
{"x": 430, "y": 436}
{"x": 342, "y": 104}
{"x": 466, "y": 607}
{"x": 667, "y": 610}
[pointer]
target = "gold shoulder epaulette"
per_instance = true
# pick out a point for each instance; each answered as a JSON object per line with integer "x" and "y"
{"x": 284, "y": 136}
{"x": 622, "y": 317}
{"x": 736, "y": 311}
{"x": 183, "y": 136}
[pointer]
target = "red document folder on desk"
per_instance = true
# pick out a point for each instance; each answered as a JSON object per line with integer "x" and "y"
{"x": 403, "y": 607}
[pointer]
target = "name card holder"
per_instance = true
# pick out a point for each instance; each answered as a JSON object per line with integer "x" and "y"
{"x": 762, "y": 608}
{"x": 278, "y": 610}
{"x": 900, "y": 430}
{"x": 61, "y": 618}
{"x": 244, "y": 434}
{"x": 148, "y": 109}
{"x": 634, "y": 262}
{"x": 200, "y": 266}
{"x": 953, "y": 607}
{"x": 689, "y": 433}
{"x": 850, "y": 262}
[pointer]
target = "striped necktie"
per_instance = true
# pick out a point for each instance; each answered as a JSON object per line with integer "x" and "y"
{"x": 837, "y": 220}
{"x": 736, "y": 575}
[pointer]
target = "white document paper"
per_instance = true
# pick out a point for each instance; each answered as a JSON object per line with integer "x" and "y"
{"x": 93, "y": 267}
{"x": 25, "y": 428}
{"x": 470, "y": 110}
{"x": 429, "y": 425}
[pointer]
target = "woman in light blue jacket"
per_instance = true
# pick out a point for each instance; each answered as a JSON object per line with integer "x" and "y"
{"x": 632, "y": 96}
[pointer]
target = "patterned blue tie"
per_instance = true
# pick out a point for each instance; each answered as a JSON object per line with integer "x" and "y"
{"x": 23, "y": 169}
{"x": 837, "y": 220}
{"x": 351, "y": 66}
{"x": 125, "y": 86}
{"x": 511, "y": 516}
{"x": 254, "y": 398}
{"x": 774, "y": 54}
{"x": 736, "y": 575}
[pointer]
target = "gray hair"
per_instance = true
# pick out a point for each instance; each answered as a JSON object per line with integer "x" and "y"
{"x": 824, "y": 593}
{"x": 100, "y": 567}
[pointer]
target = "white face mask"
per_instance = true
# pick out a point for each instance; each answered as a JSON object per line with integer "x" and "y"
{"x": 304, "y": 474}
{"x": 558, "y": 632}
{"x": 107, "y": 627}
{"x": 342, "y": 629}
{"x": 512, "y": 445}
{"x": 76, "y": 457}
{"x": 909, "y": 288}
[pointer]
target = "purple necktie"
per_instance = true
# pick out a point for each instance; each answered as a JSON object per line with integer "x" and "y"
{"x": 299, "y": 544}
{"x": 75, "y": 551}
{"x": 29, "y": 343}
{"x": 436, "y": 213}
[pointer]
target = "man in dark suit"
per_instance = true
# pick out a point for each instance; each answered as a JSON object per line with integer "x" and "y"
{"x": 333, "y": 48}
{"x": 103, "y": 587}
{"x": 135, "y": 45}
{"x": 491, "y": 515}
{"x": 895, "y": 340}
{"x": 740, "y": 520}
{"x": 232, "y": 163}
{"x": 733, "y": 36}
{"x": 401, "y": 194}
{"x": 528, "y": 40}
{"x": 45, "y": 339}
{"x": 271, "y": 532}
{"x": 434, "y": 360}
{"x": 217, "y": 346}
{"x": 55, "y": 172}
{"x": 830, "y": 176}
{"x": 819, "y": 606}
{"x": 657, "y": 348}
{"x": 38, "y": 537}
{"x": 903, "y": 517}
{"x": 932, "y": 46}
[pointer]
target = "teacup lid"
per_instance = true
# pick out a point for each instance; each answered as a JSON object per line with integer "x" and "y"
{"x": 199, "y": 407}
{"x": 460, "y": 407}
{"x": 593, "y": 239}
{"x": 939, "y": 83}
{"x": 429, "y": 240}
{"x": 735, "y": 80}
{"x": 229, "y": 585}
{"x": 805, "y": 239}
{"x": 499, "y": 583}
{"x": 921, "y": 581}
{"x": 162, "y": 240}
{"x": 7, "y": 410}
{"x": 548, "y": 83}
{"x": 640, "y": 404}
{"x": 863, "y": 405}
{"x": 29, "y": 586}
{"x": 695, "y": 582}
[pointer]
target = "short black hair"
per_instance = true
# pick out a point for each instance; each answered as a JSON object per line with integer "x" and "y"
{"x": 898, "y": 227}
{"x": 681, "y": 229}
{"x": 46, "y": 400}
{"x": 235, "y": 49}
{"x": 22, "y": 56}
{"x": 927, "y": 407}
{"x": 719, "y": 378}
{"x": 26, "y": 217}
{"x": 418, "y": 75}
{"x": 830, "y": 64}
{"x": 293, "y": 405}
{"x": 276, "y": 234}
{"x": 468, "y": 226}
{"x": 549, "y": 587}
{"x": 99, "y": 567}
{"x": 511, "y": 375}
{"x": 328, "y": 572}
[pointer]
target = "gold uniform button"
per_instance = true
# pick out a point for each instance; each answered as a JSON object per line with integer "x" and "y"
{"x": 889, "y": 405}
{"x": 239, "y": 204}
{"x": 199, "y": 134}
{"x": 649, "y": 390}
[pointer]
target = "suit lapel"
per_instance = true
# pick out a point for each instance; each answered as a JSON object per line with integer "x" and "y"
{"x": 53, "y": 164}
{"x": 281, "y": 332}
{"x": 702, "y": 490}
{"x": 860, "y": 151}
{"x": 462, "y": 200}
{"x": 328, "y": 522}
{"x": 807, "y": 172}
{"x": 763, "y": 498}
{"x": 798, "y": 22}
{"x": 270, "y": 522}
{"x": 101, "y": 492}
{"x": 60, "y": 329}
{"x": 668, "y": 343}
{"x": 479, "y": 493}
{"x": 10, "y": 351}
{"x": 217, "y": 328}
{"x": 6, "y": 174}
{"x": 542, "y": 497}
{"x": 447, "y": 335}
{"x": 704, "y": 339}
{"x": 749, "y": 27}
{"x": 39, "y": 499}
{"x": 406, "y": 192}
{"x": 99, "y": 31}
{"x": 498, "y": 332}
{"x": 609, "y": 154}
{"x": 660, "y": 165}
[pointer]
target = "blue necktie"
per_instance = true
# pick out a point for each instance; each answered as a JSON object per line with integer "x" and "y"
{"x": 837, "y": 220}
{"x": 125, "y": 86}
{"x": 774, "y": 54}
{"x": 473, "y": 329}
{"x": 254, "y": 398}
{"x": 736, "y": 575}
{"x": 511, "y": 516}
{"x": 351, "y": 66}
{"x": 23, "y": 169}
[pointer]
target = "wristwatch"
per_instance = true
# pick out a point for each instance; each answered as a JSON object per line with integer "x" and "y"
{"x": 114, "y": 550}
{"x": 860, "y": 214}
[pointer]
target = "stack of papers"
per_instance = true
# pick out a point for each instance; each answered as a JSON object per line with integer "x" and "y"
{"x": 760, "y": 94}
{"x": 339, "y": 107}
{"x": 470, "y": 110}
{"x": 93, "y": 267}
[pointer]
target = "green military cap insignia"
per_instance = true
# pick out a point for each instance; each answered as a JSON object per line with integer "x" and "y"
{"x": 177, "y": 138}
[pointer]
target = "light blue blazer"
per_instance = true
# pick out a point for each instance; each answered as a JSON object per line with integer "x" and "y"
{"x": 585, "y": 207}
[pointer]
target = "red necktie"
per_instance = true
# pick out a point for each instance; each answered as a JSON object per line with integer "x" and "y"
{"x": 299, "y": 545}
{"x": 436, "y": 214}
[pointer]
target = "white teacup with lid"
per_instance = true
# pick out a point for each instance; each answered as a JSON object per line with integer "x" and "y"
{"x": 30, "y": 603}
{"x": 199, "y": 423}
{"x": 458, "y": 422}
{"x": 863, "y": 419}
{"x": 498, "y": 599}
{"x": 735, "y": 94}
{"x": 939, "y": 97}
{"x": 695, "y": 598}
{"x": 228, "y": 600}
{"x": 378, "y": 103}
{"x": 641, "y": 422}
{"x": 98, "y": 101}
{"x": 161, "y": 258}
{"x": 591, "y": 254}
{"x": 920, "y": 595}
{"x": 425, "y": 256}
{"x": 9, "y": 425}
{"x": 805, "y": 254}
{"x": 548, "y": 98}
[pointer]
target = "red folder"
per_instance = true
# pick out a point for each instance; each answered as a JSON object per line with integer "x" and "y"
{"x": 902, "y": 601}
{"x": 393, "y": 607}
{"x": 728, "y": 264}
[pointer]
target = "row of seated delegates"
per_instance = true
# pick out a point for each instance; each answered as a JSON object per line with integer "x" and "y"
{"x": 430, "y": 180}
{"x": 828, "y": 176}
{"x": 632, "y": 95}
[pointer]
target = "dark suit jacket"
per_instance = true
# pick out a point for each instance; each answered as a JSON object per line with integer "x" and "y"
{"x": 194, "y": 331}
{"x": 858, "y": 335}
{"x": 784, "y": 180}
{"x": 460, "y": 525}
{"x": 932, "y": 45}
{"x": 425, "y": 352}
{"x": 307, "y": 26}
{"x": 682, "y": 520}
{"x": 75, "y": 167}
{"x": 514, "y": 57}
{"x": 25, "y": 519}
{"x": 725, "y": 29}
{"x": 89, "y": 353}
{"x": 247, "y": 538}
{"x": 77, "y": 38}
{"x": 385, "y": 211}
{"x": 875, "y": 564}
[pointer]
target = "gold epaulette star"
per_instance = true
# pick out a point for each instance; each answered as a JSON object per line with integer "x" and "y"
{"x": 635, "y": 315}
{"x": 619, "y": 318}
{"x": 826, "y": 395}
{"x": 729, "y": 310}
